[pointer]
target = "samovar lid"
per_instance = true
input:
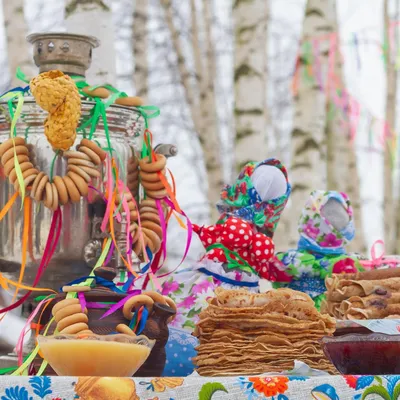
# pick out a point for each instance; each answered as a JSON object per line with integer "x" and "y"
{"x": 67, "y": 52}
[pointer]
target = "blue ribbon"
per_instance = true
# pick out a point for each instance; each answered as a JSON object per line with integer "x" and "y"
{"x": 143, "y": 320}
{"x": 131, "y": 278}
{"x": 227, "y": 280}
{"x": 17, "y": 89}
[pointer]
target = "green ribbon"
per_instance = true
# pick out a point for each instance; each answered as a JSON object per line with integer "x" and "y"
{"x": 6, "y": 371}
{"x": 21, "y": 76}
{"x": 231, "y": 257}
{"x": 10, "y": 97}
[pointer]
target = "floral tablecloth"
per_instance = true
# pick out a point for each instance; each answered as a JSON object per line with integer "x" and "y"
{"x": 267, "y": 387}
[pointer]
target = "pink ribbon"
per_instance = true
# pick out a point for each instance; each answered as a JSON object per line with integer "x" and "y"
{"x": 378, "y": 261}
{"x": 164, "y": 231}
{"x": 82, "y": 301}
{"x": 120, "y": 304}
{"x": 25, "y": 330}
{"x": 188, "y": 241}
{"x": 51, "y": 245}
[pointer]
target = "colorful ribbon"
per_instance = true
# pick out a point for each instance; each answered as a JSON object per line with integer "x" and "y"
{"x": 377, "y": 261}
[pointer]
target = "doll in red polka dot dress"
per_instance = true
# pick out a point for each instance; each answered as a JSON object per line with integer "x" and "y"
{"x": 239, "y": 246}
{"x": 238, "y": 251}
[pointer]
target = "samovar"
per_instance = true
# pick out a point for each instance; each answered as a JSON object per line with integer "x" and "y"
{"x": 80, "y": 238}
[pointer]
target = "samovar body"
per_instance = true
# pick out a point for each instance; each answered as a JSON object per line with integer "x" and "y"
{"x": 125, "y": 126}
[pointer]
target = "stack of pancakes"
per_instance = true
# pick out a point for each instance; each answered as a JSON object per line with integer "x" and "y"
{"x": 246, "y": 333}
{"x": 371, "y": 294}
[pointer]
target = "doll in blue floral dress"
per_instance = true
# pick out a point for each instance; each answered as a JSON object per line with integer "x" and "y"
{"x": 325, "y": 227}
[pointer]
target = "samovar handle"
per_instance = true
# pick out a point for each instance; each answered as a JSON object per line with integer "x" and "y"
{"x": 167, "y": 150}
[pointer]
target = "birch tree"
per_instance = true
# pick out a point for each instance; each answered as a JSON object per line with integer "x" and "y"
{"x": 140, "y": 47}
{"x": 94, "y": 18}
{"x": 200, "y": 91}
{"x": 342, "y": 172}
{"x": 390, "y": 117}
{"x": 309, "y": 155}
{"x": 250, "y": 19}
{"x": 19, "y": 52}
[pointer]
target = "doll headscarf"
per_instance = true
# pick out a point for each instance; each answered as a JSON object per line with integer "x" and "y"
{"x": 317, "y": 234}
{"x": 243, "y": 201}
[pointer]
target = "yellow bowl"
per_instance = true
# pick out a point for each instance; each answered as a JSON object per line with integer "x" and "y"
{"x": 95, "y": 355}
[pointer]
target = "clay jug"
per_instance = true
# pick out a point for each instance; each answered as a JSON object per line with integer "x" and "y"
{"x": 156, "y": 328}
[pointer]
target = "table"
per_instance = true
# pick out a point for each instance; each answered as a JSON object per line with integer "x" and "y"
{"x": 191, "y": 388}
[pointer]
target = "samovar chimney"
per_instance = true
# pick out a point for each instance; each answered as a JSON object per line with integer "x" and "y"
{"x": 69, "y": 53}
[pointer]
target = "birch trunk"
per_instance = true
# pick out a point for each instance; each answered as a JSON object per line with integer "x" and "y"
{"x": 250, "y": 74}
{"x": 309, "y": 155}
{"x": 390, "y": 117}
{"x": 19, "y": 53}
{"x": 342, "y": 172}
{"x": 200, "y": 95}
{"x": 94, "y": 18}
{"x": 140, "y": 47}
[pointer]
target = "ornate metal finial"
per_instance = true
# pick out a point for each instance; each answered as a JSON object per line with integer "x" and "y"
{"x": 69, "y": 53}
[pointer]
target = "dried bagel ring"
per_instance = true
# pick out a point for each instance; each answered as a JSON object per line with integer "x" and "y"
{"x": 76, "y": 154}
{"x": 153, "y": 227}
{"x": 93, "y": 146}
{"x": 27, "y": 182}
{"x": 71, "y": 320}
{"x": 149, "y": 203}
{"x": 80, "y": 172}
{"x": 76, "y": 289}
{"x": 80, "y": 183}
{"x": 151, "y": 186}
{"x": 147, "y": 216}
{"x": 36, "y": 183}
{"x": 156, "y": 297}
{"x": 9, "y": 143}
{"x": 151, "y": 176}
{"x": 73, "y": 191}
{"x": 135, "y": 302}
{"x": 61, "y": 189}
{"x": 9, "y": 154}
{"x": 63, "y": 303}
{"x": 154, "y": 240}
{"x": 24, "y": 166}
{"x": 55, "y": 203}
{"x": 129, "y": 101}
{"x": 138, "y": 246}
{"x": 10, "y": 164}
{"x": 26, "y": 174}
{"x": 48, "y": 197}
{"x": 40, "y": 188}
{"x": 79, "y": 161}
{"x": 154, "y": 166}
{"x": 148, "y": 210}
{"x": 124, "y": 329}
{"x": 75, "y": 328}
{"x": 157, "y": 194}
{"x": 93, "y": 156}
{"x": 66, "y": 311}
{"x": 99, "y": 92}
{"x": 91, "y": 171}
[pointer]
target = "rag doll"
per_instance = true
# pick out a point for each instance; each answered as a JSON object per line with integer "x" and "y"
{"x": 325, "y": 228}
{"x": 238, "y": 250}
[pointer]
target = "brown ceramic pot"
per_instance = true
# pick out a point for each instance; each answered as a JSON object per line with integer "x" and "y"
{"x": 156, "y": 327}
